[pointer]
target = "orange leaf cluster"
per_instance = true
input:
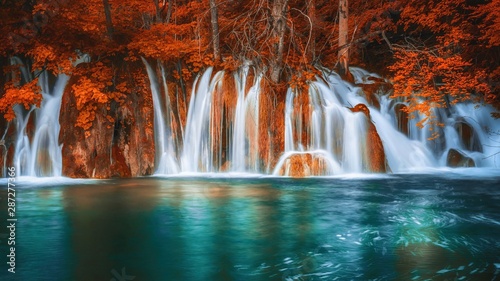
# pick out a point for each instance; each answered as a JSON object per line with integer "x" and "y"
{"x": 437, "y": 62}
{"x": 25, "y": 95}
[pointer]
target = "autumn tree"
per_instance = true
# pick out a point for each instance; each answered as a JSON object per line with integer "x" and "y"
{"x": 435, "y": 60}
{"x": 433, "y": 50}
{"x": 488, "y": 18}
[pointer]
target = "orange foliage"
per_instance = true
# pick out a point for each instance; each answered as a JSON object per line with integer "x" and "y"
{"x": 429, "y": 79}
{"x": 437, "y": 64}
{"x": 436, "y": 53}
{"x": 93, "y": 90}
{"x": 490, "y": 12}
{"x": 25, "y": 95}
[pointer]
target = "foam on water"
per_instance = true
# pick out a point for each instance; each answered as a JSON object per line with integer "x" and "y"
{"x": 212, "y": 175}
{"x": 32, "y": 181}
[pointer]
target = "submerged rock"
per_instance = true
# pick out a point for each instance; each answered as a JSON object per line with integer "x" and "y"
{"x": 456, "y": 159}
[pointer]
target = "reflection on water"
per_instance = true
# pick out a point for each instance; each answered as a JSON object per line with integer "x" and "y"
{"x": 405, "y": 228}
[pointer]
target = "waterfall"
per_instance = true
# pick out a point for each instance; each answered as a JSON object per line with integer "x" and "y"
{"x": 244, "y": 156}
{"x": 340, "y": 133}
{"x": 323, "y": 133}
{"x": 164, "y": 144}
{"x": 40, "y": 156}
{"x": 289, "y": 117}
{"x": 485, "y": 129}
{"x": 196, "y": 154}
{"x": 337, "y": 136}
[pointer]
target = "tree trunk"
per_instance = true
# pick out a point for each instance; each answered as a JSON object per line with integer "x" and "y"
{"x": 169, "y": 10}
{"x": 215, "y": 29}
{"x": 109, "y": 22}
{"x": 158, "y": 11}
{"x": 343, "y": 37}
{"x": 278, "y": 13}
{"x": 311, "y": 13}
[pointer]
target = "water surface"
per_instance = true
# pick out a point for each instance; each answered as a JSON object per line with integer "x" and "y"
{"x": 400, "y": 227}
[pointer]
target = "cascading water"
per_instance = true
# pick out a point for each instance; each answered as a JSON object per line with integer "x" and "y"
{"x": 41, "y": 156}
{"x": 403, "y": 153}
{"x": 164, "y": 145}
{"x": 321, "y": 136}
{"x": 330, "y": 121}
{"x": 197, "y": 155}
{"x": 244, "y": 156}
{"x": 337, "y": 136}
{"x": 484, "y": 131}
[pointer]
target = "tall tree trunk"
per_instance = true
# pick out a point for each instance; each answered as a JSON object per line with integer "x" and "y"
{"x": 311, "y": 13}
{"x": 169, "y": 10}
{"x": 109, "y": 22}
{"x": 215, "y": 29}
{"x": 278, "y": 13}
{"x": 158, "y": 11}
{"x": 343, "y": 37}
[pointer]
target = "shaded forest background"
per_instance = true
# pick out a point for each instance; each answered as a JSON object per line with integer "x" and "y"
{"x": 429, "y": 49}
{"x": 435, "y": 53}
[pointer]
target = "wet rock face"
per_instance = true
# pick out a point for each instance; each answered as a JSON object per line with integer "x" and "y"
{"x": 375, "y": 148}
{"x": 121, "y": 149}
{"x": 456, "y": 159}
{"x": 376, "y": 154}
{"x": 361, "y": 108}
{"x": 7, "y": 144}
{"x": 83, "y": 157}
{"x": 374, "y": 86}
{"x": 133, "y": 139}
{"x": 401, "y": 111}
{"x": 468, "y": 136}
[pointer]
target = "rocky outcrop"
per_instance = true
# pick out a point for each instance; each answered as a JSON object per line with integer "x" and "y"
{"x": 120, "y": 142}
{"x": 375, "y": 149}
{"x": 372, "y": 87}
{"x": 304, "y": 165}
{"x": 374, "y": 146}
{"x": 456, "y": 159}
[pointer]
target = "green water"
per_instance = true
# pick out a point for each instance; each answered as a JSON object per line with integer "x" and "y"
{"x": 403, "y": 227}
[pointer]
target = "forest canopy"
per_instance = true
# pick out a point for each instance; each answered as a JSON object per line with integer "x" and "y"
{"x": 434, "y": 52}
